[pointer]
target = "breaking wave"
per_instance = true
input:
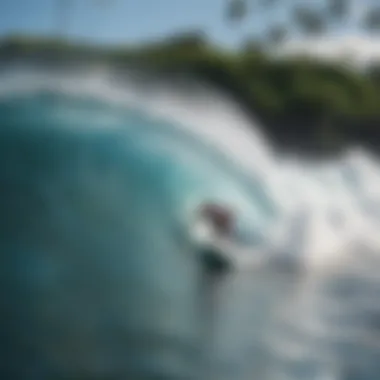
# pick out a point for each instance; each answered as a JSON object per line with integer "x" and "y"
{"x": 208, "y": 149}
{"x": 195, "y": 144}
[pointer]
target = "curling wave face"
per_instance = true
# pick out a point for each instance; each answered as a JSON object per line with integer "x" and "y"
{"x": 218, "y": 156}
{"x": 100, "y": 175}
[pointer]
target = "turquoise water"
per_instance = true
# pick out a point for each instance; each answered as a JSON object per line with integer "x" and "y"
{"x": 181, "y": 169}
{"x": 99, "y": 277}
{"x": 94, "y": 236}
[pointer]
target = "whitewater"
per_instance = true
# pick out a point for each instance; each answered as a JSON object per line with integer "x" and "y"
{"x": 320, "y": 322}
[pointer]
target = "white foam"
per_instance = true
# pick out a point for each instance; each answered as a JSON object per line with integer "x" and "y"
{"x": 321, "y": 189}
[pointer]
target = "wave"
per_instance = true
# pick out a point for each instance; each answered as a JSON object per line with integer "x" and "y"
{"x": 209, "y": 149}
{"x": 185, "y": 143}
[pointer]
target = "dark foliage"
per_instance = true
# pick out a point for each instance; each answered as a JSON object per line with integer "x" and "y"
{"x": 302, "y": 103}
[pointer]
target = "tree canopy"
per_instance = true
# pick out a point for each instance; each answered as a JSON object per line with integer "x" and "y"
{"x": 298, "y": 100}
{"x": 306, "y": 17}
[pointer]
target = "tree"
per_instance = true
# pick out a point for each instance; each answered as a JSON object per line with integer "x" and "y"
{"x": 309, "y": 21}
{"x": 236, "y": 10}
{"x": 304, "y": 17}
{"x": 277, "y": 34}
{"x": 372, "y": 21}
{"x": 338, "y": 9}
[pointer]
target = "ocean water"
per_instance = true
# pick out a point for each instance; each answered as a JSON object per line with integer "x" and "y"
{"x": 100, "y": 171}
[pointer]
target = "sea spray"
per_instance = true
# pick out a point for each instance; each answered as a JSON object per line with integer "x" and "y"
{"x": 183, "y": 147}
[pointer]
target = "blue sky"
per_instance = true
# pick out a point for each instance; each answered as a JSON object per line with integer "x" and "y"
{"x": 124, "y": 21}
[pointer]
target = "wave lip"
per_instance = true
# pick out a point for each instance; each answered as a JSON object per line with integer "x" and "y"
{"x": 219, "y": 146}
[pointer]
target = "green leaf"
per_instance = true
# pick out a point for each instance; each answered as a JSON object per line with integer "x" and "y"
{"x": 309, "y": 21}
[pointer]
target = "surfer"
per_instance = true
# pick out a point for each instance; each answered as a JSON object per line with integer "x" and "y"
{"x": 220, "y": 218}
{"x": 213, "y": 228}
